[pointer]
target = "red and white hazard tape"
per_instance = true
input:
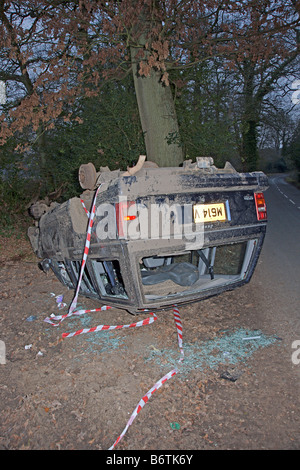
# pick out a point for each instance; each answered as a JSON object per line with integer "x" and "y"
{"x": 55, "y": 320}
{"x": 143, "y": 402}
{"x": 158, "y": 384}
{"x": 86, "y": 249}
{"x": 83, "y": 205}
{"x": 59, "y": 318}
{"x": 179, "y": 330}
{"x": 147, "y": 321}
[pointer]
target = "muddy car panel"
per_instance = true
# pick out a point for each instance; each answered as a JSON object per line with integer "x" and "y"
{"x": 139, "y": 270}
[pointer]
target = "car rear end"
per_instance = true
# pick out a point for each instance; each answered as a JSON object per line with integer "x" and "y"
{"x": 161, "y": 237}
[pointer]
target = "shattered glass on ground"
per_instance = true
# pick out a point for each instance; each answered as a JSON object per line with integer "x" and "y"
{"x": 227, "y": 349}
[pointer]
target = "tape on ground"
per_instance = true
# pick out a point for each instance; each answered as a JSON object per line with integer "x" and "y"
{"x": 56, "y": 320}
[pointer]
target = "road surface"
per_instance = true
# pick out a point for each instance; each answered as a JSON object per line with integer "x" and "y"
{"x": 278, "y": 272}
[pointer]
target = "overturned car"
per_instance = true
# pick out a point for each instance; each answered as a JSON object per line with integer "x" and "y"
{"x": 160, "y": 236}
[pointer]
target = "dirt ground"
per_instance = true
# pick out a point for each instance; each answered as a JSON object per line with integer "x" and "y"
{"x": 237, "y": 387}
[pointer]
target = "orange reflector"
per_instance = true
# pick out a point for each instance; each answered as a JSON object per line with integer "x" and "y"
{"x": 122, "y": 216}
{"x": 261, "y": 208}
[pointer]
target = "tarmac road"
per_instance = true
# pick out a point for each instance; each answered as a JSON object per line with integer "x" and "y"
{"x": 279, "y": 268}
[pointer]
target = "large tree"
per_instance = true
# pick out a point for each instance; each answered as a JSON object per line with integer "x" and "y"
{"x": 54, "y": 51}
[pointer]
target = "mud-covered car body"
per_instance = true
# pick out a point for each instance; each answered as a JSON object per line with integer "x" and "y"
{"x": 160, "y": 236}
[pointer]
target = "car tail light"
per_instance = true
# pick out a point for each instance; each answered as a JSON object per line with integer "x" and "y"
{"x": 261, "y": 208}
{"x": 125, "y": 211}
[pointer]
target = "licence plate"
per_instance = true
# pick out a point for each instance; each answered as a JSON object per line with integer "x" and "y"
{"x": 209, "y": 213}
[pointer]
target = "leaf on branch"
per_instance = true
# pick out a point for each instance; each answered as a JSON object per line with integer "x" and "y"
{"x": 162, "y": 48}
{"x": 144, "y": 69}
{"x": 165, "y": 79}
{"x": 152, "y": 61}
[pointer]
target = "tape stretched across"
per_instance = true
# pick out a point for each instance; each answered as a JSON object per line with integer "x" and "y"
{"x": 83, "y": 205}
{"x": 147, "y": 321}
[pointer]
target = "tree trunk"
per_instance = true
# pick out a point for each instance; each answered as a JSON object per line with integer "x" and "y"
{"x": 249, "y": 148}
{"x": 250, "y": 156}
{"x": 158, "y": 117}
